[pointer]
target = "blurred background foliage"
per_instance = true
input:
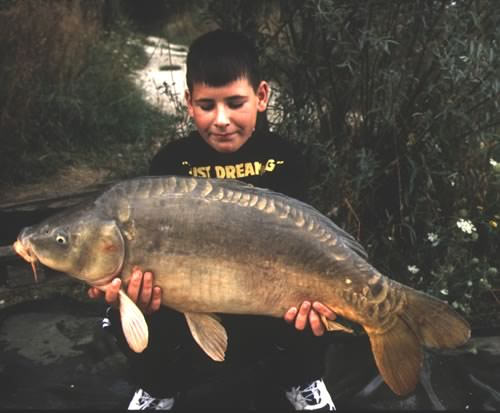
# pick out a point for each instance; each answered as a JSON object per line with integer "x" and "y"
{"x": 394, "y": 103}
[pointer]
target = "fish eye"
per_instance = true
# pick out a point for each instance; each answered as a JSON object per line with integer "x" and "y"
{"x": 60, "y": 239}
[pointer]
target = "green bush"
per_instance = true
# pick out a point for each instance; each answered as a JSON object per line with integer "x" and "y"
{"x": 397, "y": 104}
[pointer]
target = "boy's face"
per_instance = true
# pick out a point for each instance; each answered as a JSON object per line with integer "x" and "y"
{"x": 225, "y": 116}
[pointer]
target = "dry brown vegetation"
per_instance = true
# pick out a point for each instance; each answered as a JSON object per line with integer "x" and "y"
{"x": 41, "y": 38}
{"x": 67, "y": 100}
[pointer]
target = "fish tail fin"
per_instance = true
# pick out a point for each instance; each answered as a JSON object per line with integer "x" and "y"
{"x": 435, "y": 322}
{"x": 425, "y": 321}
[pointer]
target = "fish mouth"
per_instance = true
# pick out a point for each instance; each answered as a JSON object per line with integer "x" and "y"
{"x": 27, "y": 254}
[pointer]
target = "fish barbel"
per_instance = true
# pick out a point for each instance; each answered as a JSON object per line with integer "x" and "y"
{"x": 222, "y": 246}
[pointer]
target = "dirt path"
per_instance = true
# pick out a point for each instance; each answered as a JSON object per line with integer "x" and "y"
{"x": 166, "y": 66}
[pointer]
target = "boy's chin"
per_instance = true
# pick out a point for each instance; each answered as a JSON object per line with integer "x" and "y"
{"x": 226, "y": 146}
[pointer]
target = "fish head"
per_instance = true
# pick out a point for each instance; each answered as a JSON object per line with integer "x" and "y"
{"x": 81, "y": 244}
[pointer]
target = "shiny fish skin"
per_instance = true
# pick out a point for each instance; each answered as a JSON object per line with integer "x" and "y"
{"x": 221, "y": 246}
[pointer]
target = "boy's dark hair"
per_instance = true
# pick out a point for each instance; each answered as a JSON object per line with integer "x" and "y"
{"x": 220, "y": 57}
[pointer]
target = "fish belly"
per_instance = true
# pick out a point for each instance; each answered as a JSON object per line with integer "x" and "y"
{"x": 213, "y": 256}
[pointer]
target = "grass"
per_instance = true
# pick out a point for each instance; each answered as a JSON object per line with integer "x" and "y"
{"x": 68, "y": 98}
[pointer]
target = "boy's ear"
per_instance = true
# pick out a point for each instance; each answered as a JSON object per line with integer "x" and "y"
{"x": 189, "y": 102}
{"x": 263, "y": 93}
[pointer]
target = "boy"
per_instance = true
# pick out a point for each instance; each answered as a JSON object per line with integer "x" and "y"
{"x": 265, "y": 356}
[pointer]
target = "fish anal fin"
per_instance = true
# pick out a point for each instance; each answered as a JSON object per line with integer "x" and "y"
{"x": 334, "y": 326}
{"x": 209, "y": 333}
{"x": 134, "y": 325}
{"x": 398, "y": 355}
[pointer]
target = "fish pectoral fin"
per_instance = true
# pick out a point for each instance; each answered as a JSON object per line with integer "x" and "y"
{"x": 209, "y": 333}
{"x": 334, "y": 326}
{"x": 134, "y": 325}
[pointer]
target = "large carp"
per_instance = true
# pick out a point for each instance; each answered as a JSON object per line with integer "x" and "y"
{"x": 221, "y": 246}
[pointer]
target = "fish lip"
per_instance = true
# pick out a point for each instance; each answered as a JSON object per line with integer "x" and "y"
{"x": 25, "y": 251}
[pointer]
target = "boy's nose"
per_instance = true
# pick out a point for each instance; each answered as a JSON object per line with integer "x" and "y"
{"x": 221, "y": 117}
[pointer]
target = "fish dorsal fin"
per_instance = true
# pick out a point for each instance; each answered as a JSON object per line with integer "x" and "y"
{"x": 209, "y": 333}
{"x": 134, "y": 325}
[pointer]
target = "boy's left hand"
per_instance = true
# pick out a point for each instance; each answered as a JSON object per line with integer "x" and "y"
{"x": 311, "y": 314}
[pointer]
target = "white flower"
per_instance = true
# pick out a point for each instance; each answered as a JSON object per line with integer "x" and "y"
{"x": 469, "y": 283}
{"x": 444, "y": 291}
{"x": 433, "y": 238}
{"x": 493, "y": 162}
{"x": 413, "y": 269}
{"x": 466, "y": 226}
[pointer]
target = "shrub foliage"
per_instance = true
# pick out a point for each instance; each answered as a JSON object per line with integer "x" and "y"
{"x": 399, "y": 100}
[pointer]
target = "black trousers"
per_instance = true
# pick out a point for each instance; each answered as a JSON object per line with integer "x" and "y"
{"x": 265, "y": 356}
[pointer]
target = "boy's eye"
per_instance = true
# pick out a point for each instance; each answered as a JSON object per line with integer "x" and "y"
{"x": 235, "y": 104}
{"x": 206, "y": 106}
{"x": 231, "y": 103}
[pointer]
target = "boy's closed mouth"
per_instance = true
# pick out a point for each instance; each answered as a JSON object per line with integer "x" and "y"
{"x": 223, "y": 136}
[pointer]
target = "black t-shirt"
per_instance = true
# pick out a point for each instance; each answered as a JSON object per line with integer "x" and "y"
{"x": 173, "y": 361}
{"x": 266, "y": 160}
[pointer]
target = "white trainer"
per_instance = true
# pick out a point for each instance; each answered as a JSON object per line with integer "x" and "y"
{"x": 313, "y": 396}
{"x": 144, "y": 401}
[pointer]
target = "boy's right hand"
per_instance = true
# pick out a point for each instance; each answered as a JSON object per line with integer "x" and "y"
{"x": 140, "y": 289}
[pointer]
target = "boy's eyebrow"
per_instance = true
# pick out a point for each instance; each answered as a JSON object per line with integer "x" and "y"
{"x": 237, "y": 97}
{"x": 233, "y": 97}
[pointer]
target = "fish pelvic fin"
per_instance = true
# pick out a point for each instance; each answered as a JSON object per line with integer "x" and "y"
{"x": 209, "y": 333}
{"x": 333, "y": 325}
{"x": 134, "y": 325}
{"x": 424, "y": 321}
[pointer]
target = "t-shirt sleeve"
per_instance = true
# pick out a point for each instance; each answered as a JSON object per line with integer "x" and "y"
{"x": 168, "y": 161}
